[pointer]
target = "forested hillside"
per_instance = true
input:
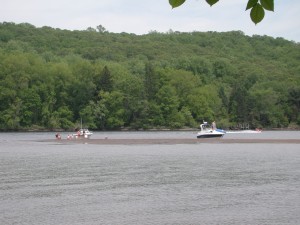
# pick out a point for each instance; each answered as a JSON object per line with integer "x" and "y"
{"x": 50, "y": 78}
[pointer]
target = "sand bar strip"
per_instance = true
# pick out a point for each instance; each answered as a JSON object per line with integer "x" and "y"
{"x": 173, "y": 141}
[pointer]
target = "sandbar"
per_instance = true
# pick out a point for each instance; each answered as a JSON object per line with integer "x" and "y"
{"x": 172, "y": 141}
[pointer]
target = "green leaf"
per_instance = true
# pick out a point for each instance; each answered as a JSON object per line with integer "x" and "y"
{"x": 267, "y": 4}
{"x": 257, "y": 13}
{"x": 176, "y": 3}
{"x": 251, "y": 3}
{"x": 212, "y": 2}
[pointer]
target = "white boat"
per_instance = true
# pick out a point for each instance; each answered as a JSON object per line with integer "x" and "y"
{"x": 207, "y": 132}
{"x": 83, "y": 133}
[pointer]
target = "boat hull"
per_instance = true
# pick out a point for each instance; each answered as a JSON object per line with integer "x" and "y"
{"x": 210, "y": 135}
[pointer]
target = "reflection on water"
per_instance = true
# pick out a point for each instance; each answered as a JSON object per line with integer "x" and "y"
{"x": 49, "y": 183}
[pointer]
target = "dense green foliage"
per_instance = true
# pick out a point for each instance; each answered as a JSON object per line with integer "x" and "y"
{"x": 50, "y": 78}
{"x": 257, "y": 7}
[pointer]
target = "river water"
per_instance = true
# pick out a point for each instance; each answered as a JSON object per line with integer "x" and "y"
{"x": 206, "y": 183}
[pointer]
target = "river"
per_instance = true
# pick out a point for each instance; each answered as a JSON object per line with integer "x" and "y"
{"x": 205, "y": 183}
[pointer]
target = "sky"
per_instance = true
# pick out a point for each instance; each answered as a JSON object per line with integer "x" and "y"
{"x": 143, "y": 16}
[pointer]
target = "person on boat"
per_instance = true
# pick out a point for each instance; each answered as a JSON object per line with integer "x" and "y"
{"x": 213, "y": 125}
{"x": 57, "y": 135}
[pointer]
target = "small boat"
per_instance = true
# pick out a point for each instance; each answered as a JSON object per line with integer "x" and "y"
{"x": 83, "y": 133}
{"x": 207, "y": 132}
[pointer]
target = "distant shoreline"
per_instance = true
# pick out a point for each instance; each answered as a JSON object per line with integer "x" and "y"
{"x": 143, "y": 130}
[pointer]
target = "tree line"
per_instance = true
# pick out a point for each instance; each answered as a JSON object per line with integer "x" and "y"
{"x": 51, "y": 78}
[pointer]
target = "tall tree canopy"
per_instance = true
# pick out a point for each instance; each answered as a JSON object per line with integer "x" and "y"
{"x": 50, "y": 78}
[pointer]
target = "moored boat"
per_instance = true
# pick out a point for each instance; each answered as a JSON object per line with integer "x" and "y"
{"x": 83, "y": 133}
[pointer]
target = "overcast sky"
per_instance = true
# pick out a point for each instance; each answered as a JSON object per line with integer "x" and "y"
{"x": 142, "y": 16}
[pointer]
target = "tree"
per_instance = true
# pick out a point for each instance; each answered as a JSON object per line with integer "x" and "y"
{"x": 30, "y": 108}
{"x": 10, "y": 118}
{"x": 101, "y": 29}
{"x": 238, "y": 104}
{"x": 266, "y": 110}
{"x": 90, "y": 29}
{"x": 294, "y": 102}
{"x": 168, "y": 103}
{"x": 63, "y": 118}
{"x": 106, "y": 81}
{"x": 151, "y": 81}
{"x": 257, "y": 7}
{"x": 114, "y": 113}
